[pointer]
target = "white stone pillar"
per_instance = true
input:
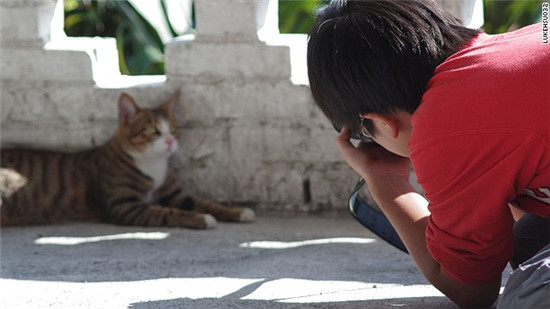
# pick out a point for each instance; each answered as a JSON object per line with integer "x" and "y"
{"x": 470, "y": 12}
{"x": 226, "y": 44}
{"x": 26, "y": 31}
{"x": 25, "y": 22}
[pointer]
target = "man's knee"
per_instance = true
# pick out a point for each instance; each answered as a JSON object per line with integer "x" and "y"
{"x": 531, "y": 234}
{"x": 529, "y": 284}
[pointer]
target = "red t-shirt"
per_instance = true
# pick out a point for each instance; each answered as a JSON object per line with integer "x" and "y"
{"x": 481, "y": 139}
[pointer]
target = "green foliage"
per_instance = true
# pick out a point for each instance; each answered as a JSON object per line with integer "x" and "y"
{"x": 296, "y": 16}
{"x": 503, "y": 15}
{"x": 141, "y": 50}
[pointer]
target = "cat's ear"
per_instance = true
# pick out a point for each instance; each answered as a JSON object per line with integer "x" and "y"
{"x": 170, "y": 105}
{"x": 127, "y": 108}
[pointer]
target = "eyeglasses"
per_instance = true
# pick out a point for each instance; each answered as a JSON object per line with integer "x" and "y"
{"x": 362, "y": 134}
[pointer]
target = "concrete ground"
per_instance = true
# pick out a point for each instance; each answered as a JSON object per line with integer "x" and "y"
{"x": 275, "y": 262}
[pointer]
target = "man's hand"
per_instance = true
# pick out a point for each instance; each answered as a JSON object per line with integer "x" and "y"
{"x": 370, "y": 160}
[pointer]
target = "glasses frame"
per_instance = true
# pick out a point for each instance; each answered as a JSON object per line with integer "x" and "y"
{"x": 361, "y": 134}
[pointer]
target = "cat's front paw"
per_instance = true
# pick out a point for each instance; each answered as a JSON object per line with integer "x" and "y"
{"x": 209, "y": 221}
{"x": 199, "y": 221}
{"x": 247, "y": 215}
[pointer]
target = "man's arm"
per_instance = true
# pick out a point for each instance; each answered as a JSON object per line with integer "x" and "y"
{"x": 387, "y": 176}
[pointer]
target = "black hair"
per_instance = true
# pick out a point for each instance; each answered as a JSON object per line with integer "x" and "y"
{"x": 377, "y": 56}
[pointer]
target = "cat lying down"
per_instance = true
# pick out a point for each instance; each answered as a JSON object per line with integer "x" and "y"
{"x": 126, "y": 181}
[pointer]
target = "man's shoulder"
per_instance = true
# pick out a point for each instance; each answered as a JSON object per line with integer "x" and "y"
{"x": 498, "y": 82}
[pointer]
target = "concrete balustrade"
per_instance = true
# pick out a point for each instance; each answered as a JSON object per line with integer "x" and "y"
{"x": 249, "y": 135}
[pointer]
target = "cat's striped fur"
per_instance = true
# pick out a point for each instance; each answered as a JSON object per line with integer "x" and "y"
{"x": 126, "y": 181}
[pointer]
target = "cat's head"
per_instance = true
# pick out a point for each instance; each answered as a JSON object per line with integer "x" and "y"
{"x": 147, "y": 133}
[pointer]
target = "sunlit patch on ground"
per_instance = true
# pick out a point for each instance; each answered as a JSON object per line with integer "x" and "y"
{"x": 70, "y": 241}
{"x": 312, "y": 291}
{"x": 296, "y": 244}
{"x": 43, "y": 294}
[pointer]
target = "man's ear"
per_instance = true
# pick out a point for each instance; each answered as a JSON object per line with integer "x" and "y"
{"x": 384, "y": 122}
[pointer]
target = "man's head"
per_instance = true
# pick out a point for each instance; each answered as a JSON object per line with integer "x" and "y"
{"x": 376, "y": 57}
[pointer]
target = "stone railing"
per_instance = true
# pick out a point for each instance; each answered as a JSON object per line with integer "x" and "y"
{"x": 250, "y": 136}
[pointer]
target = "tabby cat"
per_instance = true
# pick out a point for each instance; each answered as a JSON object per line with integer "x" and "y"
{"x": 125, "y": 181}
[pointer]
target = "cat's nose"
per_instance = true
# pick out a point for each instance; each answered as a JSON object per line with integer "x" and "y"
{"x": 169, "y": 142}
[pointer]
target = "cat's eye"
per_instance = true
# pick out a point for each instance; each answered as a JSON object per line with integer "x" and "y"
{"x": 152, "y": 130}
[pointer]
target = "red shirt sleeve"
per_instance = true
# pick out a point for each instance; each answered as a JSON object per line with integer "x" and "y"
{"x": 469, "y": 180}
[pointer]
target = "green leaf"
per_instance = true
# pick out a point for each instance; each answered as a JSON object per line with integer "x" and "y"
{"x": 140, "y": 48}
{"x": 296, "y": 16}
{"x": 504, "y": 15}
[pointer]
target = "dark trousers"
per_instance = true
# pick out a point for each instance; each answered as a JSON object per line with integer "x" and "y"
{"x": 528, "y": 285}
{"x": 531, "y": 234}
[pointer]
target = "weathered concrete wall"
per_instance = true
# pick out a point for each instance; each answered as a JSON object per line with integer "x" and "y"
{"x": 250, "y": 136}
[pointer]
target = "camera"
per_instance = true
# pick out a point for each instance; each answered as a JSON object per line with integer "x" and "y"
{"x": 356, "y": 135}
